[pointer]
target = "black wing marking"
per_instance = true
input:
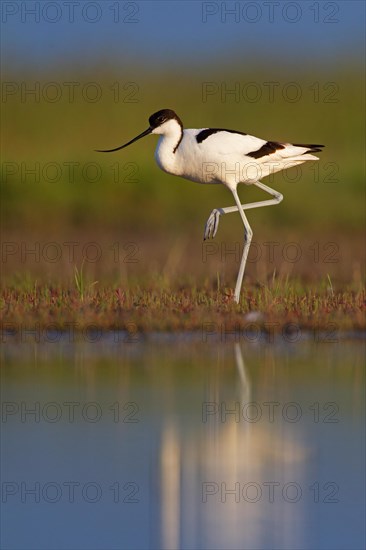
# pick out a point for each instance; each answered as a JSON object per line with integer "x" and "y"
{"x": 204, "y": 134}
{"x": 271, "y": 147}
{"x": 312, "y": 148}
{"x": 268, "y": 148}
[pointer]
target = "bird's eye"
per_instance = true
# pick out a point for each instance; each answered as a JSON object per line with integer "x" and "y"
{"x": 161, "y": 119}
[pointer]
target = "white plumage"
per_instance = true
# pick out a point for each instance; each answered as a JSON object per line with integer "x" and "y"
{"x": 218, "y": 155}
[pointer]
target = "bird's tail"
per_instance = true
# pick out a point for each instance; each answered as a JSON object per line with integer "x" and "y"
{"x": 309, "y": 148}
{"x": 303, "y": 157}
{"x": 299, "y": 152}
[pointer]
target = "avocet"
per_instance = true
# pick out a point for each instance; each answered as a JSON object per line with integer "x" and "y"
{"x": 229, "y": 157}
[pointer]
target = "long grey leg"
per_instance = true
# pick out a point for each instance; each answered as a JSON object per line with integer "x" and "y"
{"x": 212, "y": 223}
{"x": 248, "y": 235}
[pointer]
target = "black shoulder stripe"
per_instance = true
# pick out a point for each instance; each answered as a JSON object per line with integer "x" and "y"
{"x": 267, "y": 149}
{"x": 204, "y": 134}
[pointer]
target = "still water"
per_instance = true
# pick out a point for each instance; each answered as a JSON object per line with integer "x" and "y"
{"x": 178, "y": 443}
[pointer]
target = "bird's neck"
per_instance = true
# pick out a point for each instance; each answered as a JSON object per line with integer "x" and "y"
{"x": 167, "y": 147}
{"x": 172, "y": 136}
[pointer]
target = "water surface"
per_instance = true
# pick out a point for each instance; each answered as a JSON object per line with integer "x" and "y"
{"x": 170, "y": 444}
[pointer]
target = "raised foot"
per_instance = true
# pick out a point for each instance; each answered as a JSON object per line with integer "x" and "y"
{"x": 212, "y": 224}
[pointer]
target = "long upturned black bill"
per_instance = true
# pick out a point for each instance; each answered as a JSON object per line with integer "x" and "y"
{"x": 146, "y": 133}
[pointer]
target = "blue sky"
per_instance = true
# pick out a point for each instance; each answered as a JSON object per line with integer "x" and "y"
{"x": 44, "y": 34}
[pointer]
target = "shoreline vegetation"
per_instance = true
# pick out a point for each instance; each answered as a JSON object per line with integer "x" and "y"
{"x": 272, "y": 310}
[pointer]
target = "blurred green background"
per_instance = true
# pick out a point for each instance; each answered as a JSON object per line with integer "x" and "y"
{"x": 56, "y": 188}
{"x": 95, "y": 87}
